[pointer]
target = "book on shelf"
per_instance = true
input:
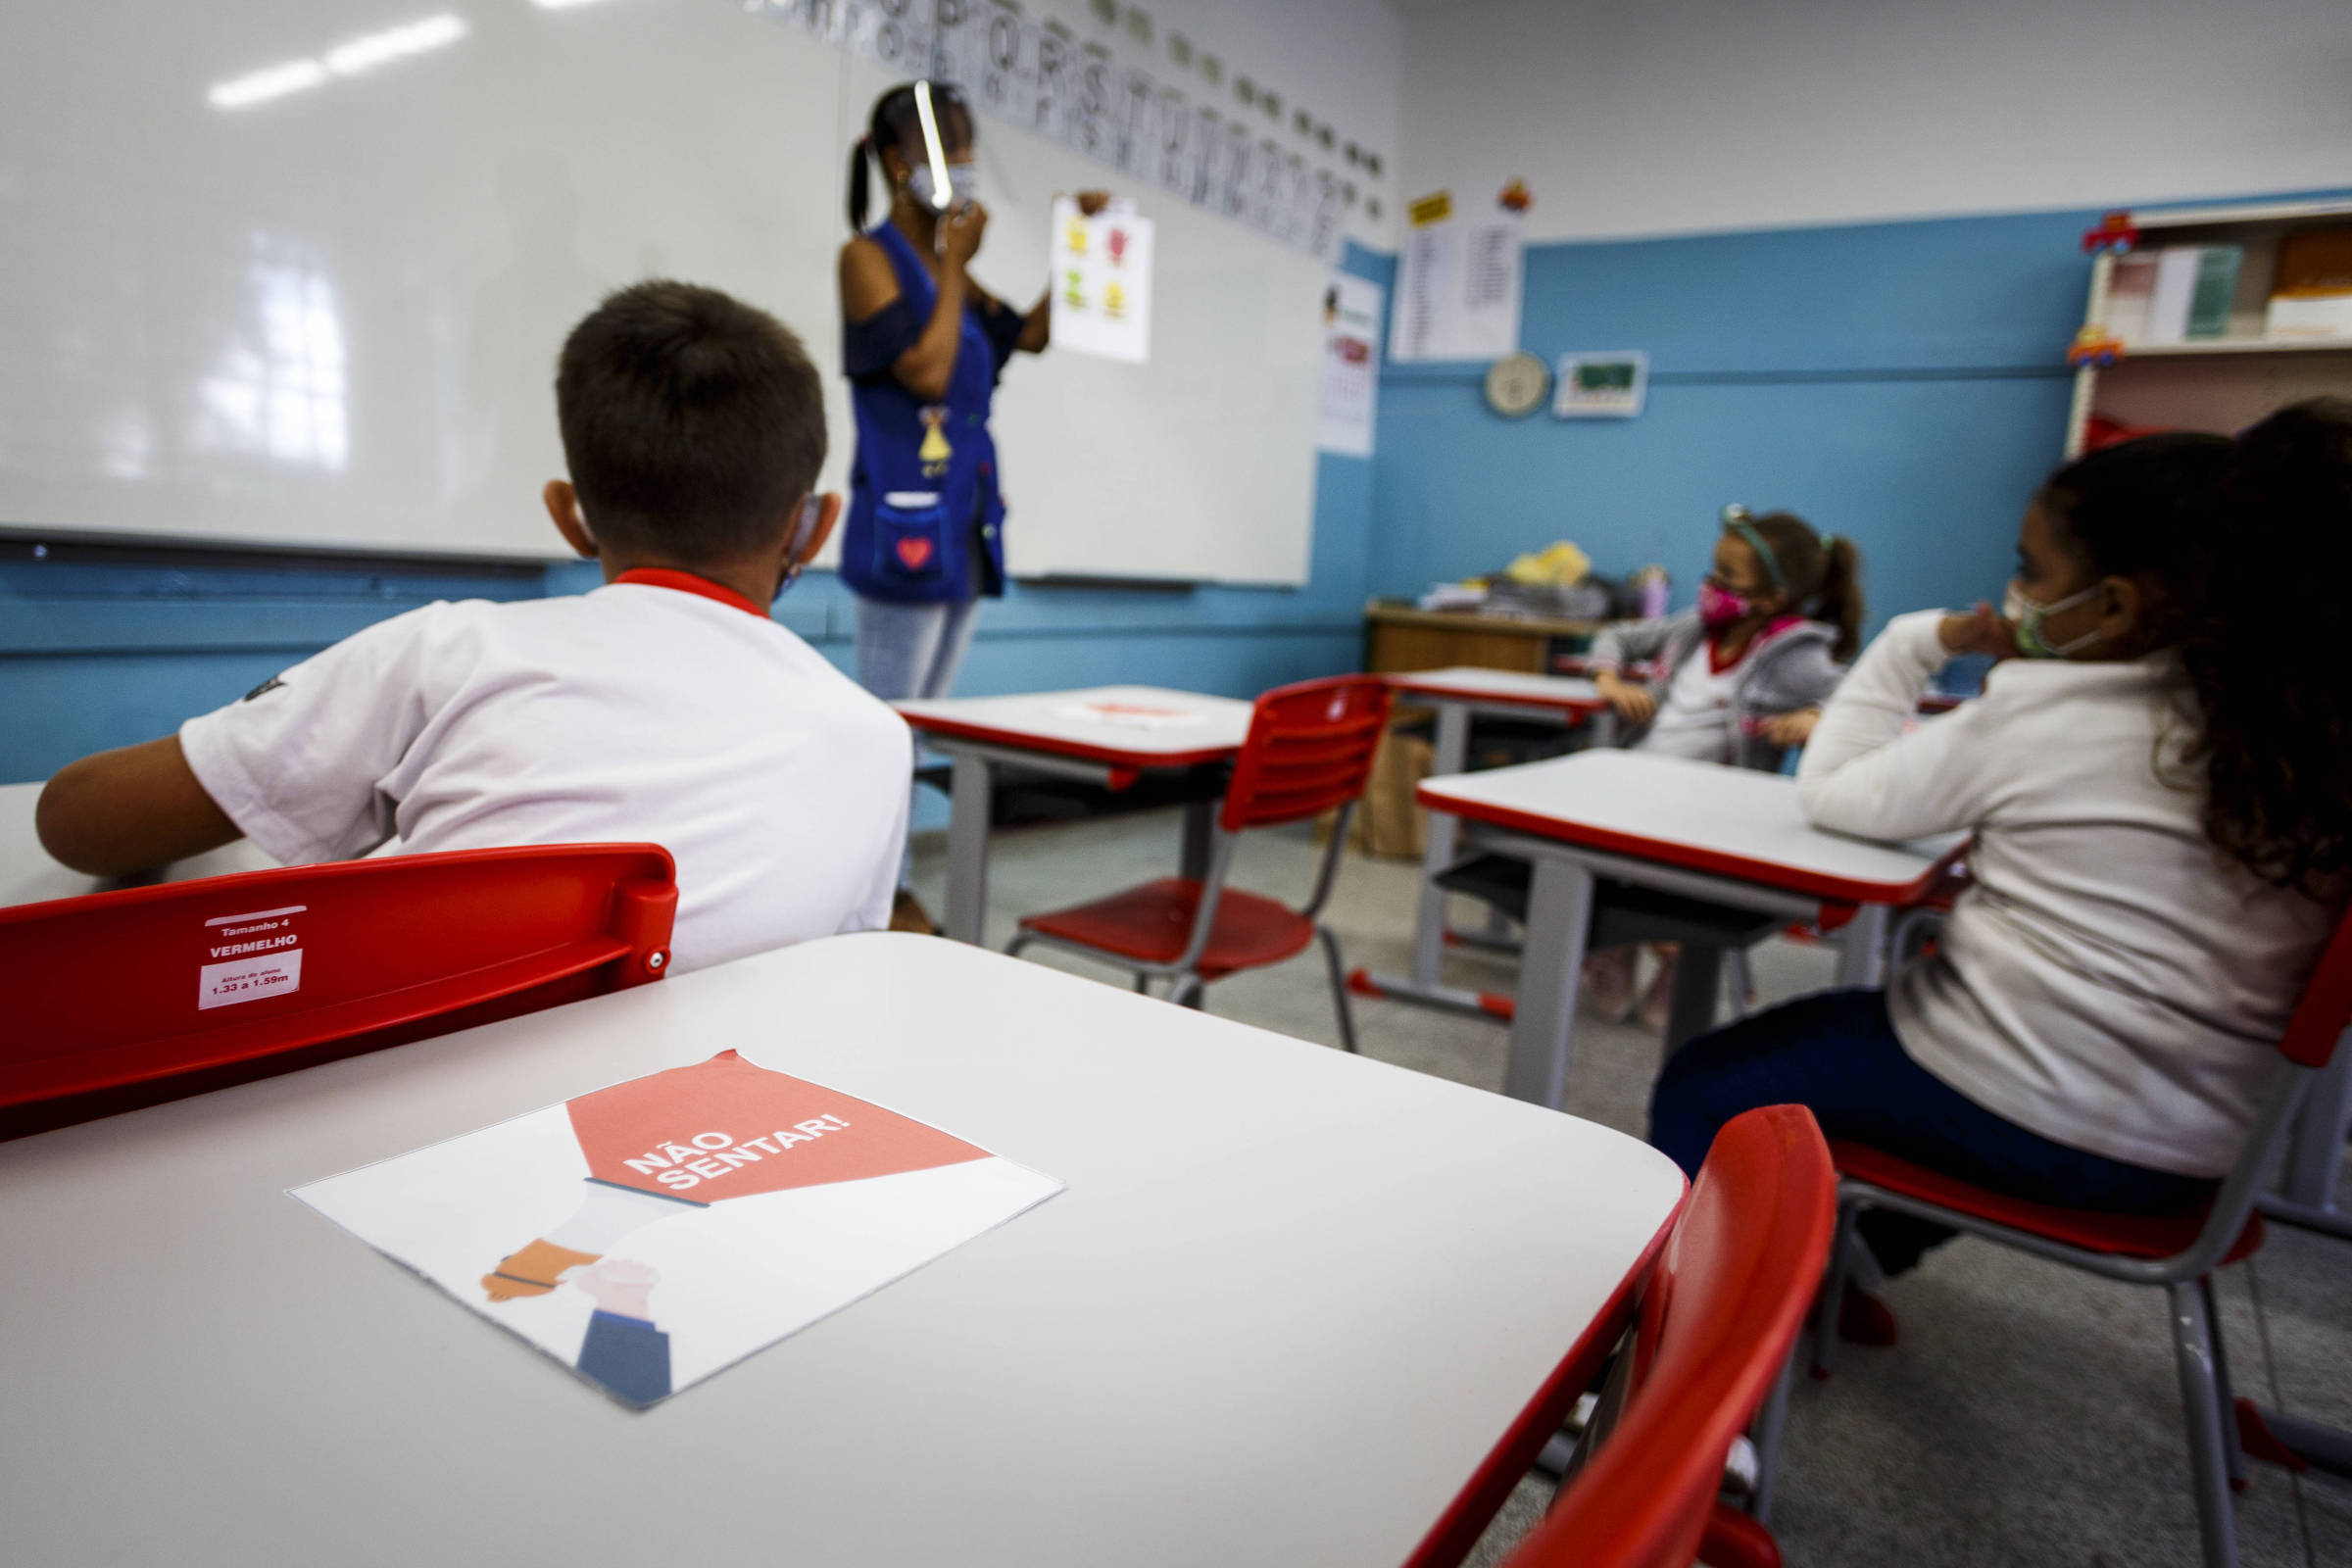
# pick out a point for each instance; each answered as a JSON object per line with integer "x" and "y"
{"x": 2189, "y": 292}
{"x": 2312, "y": 298}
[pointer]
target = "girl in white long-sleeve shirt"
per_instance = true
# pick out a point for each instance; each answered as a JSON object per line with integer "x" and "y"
{"x": 2160, "y": 796}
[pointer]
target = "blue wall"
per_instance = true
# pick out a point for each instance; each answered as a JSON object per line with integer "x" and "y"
{"x": 105, "y": 648}
{"x": 1901, "y": 383}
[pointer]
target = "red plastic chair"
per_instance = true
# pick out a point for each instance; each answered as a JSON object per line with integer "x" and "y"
{"x": 1717, "y": 1318}
{"x": 2176, "y": 1251}
{"x": 132, "y": 997}
{"x": 1309, "y": 750}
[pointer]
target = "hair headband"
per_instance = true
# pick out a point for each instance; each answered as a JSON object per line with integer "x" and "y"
{"x": 1755, "y": 541}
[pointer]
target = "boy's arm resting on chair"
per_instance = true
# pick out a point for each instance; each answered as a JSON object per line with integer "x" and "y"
{"x": 129, "y": 810}
{"x": 293, "y": 765}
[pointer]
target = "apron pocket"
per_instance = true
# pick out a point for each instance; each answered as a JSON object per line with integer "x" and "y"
{"x": 910, "y": 536}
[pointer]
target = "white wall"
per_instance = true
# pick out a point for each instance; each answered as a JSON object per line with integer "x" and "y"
{"x": 1677, "y": 116}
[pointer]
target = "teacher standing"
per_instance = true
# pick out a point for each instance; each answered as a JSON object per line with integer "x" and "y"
{"x": 924, "y": 347}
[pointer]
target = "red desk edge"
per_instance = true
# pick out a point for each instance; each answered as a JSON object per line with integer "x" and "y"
{"x": 1565, "y": 704}
{"x": 1054, "y": 746}
{"x": 1767, "y": 874}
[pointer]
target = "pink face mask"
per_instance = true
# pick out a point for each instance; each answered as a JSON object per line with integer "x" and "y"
{"x": 1719, "y": 605}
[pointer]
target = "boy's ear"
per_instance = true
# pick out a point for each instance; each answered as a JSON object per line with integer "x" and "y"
{"x": 829, "y": 514}
{"x": 564, "y": 510}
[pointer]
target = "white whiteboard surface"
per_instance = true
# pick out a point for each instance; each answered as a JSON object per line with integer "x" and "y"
{"x": 331, "y": 318}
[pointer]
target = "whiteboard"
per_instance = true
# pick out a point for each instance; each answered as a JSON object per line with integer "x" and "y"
{"x": 329, "y": 318}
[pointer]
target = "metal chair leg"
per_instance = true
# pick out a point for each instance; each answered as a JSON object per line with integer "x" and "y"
{"x": 1765, "y": 1433}
{"x": 1832, "y": 1291}
{"x": 1743, "y": 982}
{"x": 1339, "y": 984}
{"x": 1019, "y": 941}
{"x": 1143, "y": 984}
{"x": 1187, "y": 992}
{"x": 2231, "y": 1449}
{"x": 2200, "y": 1401}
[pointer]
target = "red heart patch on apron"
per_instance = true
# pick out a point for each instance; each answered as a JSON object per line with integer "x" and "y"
{"x": 914, "y": 552}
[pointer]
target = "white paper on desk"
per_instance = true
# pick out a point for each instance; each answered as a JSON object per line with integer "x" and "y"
{"x": 1101, "y": 281}
{"x": 659, "y": 1230}
{"x": 1132, "y": 716}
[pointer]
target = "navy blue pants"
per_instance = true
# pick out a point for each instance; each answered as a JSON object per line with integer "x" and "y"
{"x": 1837, "y": 1054}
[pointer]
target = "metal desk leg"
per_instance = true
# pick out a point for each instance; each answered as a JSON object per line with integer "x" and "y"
{"x": 1199, "y": 830}
{"x": 1426, "y": 983}
{"x": 1862, "y": 951}
{"x": 1559, "y": 913}
{"x": 1453, "y": 754}
{"x": 968, "y": 809}
{"x": 1698, "y": 988}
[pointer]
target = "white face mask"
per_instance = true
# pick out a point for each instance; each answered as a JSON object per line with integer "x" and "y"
{"x": 964, "y": 184}
{"x": 2027, "y": 618}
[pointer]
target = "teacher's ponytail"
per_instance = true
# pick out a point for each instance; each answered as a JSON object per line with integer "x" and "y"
{"x": 861, "y": 180}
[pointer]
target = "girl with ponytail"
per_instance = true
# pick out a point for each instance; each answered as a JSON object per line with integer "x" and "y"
{"x": 2158, "y": 785}
{"x": 1739, "y": 678}
{"x": 924, "y": 346}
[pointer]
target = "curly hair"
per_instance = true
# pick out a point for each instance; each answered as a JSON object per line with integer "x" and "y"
{"x": 2250, "y": 540}
{"x": 2263, "y": 653}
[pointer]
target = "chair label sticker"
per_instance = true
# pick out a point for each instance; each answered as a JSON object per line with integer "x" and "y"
{"x": 257, "y": 954}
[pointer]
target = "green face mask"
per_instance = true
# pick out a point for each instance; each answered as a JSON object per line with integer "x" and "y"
{"x": 2027, "y": 618}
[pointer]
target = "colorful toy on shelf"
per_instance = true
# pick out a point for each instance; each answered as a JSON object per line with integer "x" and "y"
{"x": 2116, "y": 232}
{"x": 2094, "y": 345}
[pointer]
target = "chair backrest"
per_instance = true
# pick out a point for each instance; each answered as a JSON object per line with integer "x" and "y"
{"x": 1310, "y": 749}
{"x": 2322, "y": 1017}
{"x": 148, "y": 994}
{"x": 1722, "y": 1308}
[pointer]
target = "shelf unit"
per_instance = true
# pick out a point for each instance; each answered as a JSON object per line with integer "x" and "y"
{"x": 2221, "y": 383}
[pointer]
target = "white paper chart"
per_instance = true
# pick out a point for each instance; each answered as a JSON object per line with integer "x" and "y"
{"x": 1458, "y": 284}
{"x": 1101, "y": 281}
{"x": 1344, "y": 402}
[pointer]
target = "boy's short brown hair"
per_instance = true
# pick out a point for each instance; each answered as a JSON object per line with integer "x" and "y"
{"x": 693, "y": 424}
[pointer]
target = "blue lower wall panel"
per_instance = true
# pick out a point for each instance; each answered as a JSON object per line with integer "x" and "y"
{"x": 1928, "y": 477}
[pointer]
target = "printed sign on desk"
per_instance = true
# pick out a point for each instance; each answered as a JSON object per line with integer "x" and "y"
{"x": 655, "y": 1232}
{"x": 1102, "y": 280}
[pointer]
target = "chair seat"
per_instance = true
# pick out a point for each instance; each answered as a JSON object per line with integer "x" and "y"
{"x": 2149, "y": 1235}
{"x": 1149, "y": 923}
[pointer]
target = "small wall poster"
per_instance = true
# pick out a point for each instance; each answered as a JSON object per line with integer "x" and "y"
{"x": 1345, "y": 403}
{"x": 1102, "y": 280}
{"x": 1601, "y": 386}
{"x": 1458, "y": 282}
{"x": 659, "y": 1230}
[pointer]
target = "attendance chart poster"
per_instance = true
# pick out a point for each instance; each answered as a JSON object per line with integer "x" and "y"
{"x": 657, "y": 1231}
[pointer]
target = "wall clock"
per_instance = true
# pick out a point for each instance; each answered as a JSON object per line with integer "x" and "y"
{"x": 1517, "y": 384}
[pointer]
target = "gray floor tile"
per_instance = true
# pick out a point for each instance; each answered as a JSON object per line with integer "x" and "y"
{"x": 2030, "y": 1414}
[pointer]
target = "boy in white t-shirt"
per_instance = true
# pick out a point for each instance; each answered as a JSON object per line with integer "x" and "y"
{"x": 663, "y": 707}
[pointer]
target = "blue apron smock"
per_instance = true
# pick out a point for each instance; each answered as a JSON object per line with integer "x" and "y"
{"x": 926, "y": 517}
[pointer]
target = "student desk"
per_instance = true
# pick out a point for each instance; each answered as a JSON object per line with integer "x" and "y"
{"x": 1259, "y": 1327}
{"x": 1725, "y": 835}
{"x": 28, "y": 876}
{"x": 1102, "y": 735}
{"x": 1458, "y": 694}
